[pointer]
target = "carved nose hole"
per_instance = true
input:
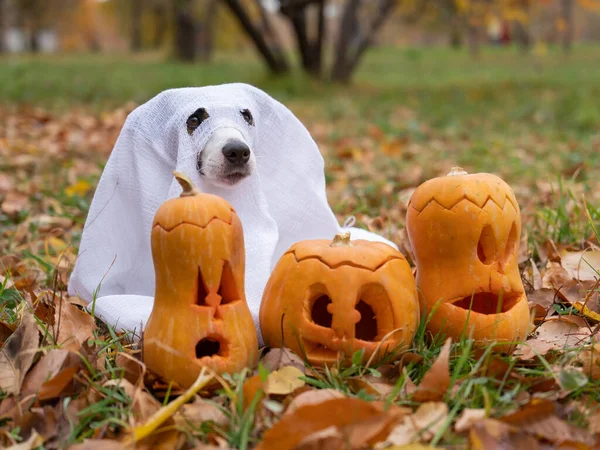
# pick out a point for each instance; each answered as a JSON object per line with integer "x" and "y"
{"x": 486, "y": 247}
{"x": 207, "y": 347}
{"x": 319, "y": 313}
{"x": 201, "y": 292}
{"x": 227, "y": 289}
{"x": 511, "y": 244}
{"x": 366, "y": 327}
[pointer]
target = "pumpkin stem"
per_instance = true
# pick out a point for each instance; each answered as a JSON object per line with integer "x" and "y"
{"x": 341, "y": 239}
{"x": 456, "y": 171}
{"x": 186, "y": 184}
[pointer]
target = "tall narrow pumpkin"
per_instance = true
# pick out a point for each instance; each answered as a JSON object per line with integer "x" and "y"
{"x": 465, "y": 231}
{"x": 200, "y": 316}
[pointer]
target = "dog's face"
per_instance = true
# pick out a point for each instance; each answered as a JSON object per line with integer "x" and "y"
{"x": 227, "y": 158}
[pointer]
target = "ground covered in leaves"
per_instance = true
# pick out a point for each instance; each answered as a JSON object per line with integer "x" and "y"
{"x": 68, "y": 381}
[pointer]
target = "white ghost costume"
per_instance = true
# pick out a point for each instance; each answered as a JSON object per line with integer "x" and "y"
{"x": 282, "y": 202}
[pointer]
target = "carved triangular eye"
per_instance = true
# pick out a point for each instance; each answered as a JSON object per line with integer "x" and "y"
{"x": 511, "y": 244}
{"x": 486, "y": 247}
{"x": 228, "y": 289}
{"x": 201, "y": 292}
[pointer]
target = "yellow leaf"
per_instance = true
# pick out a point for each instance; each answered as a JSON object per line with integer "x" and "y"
{"x": 56, "y": 244}
{"x": 587, "y": 312}
{"x": 79, "y": 188}
{"x": 284, "y": 381}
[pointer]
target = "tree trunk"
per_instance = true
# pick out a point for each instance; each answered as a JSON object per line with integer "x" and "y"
{"x": 310, "y": 47}
{"x": 473, "y": 36}
{"x": 185, "y": 31}
{"x": 270, "y": 52}
{"x": 206, "y": 31}
{"x": 3, "y": 25}
{"x": 135, "y": 11}
{"x": 350, "y": 52}
{"x": 567, "y": 16}
{"x": 160, "y": 12}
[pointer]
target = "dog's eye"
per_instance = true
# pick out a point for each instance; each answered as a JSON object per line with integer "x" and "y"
{"x": 247, "y": 115}
{"x": 196, "y": 119}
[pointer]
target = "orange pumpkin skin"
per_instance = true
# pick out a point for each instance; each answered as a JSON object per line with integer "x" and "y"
{"x": 464, "y": 231}
{"x": 336, "y": 300}
{"x": 200, "y": 316}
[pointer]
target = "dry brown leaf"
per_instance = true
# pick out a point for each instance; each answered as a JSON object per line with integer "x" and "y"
{"x": 43, "y": 421}
{"x": 133, "y": 368}
{"x": 539, "y": 418}
{"x": 436, "y": 381}
{"x": 5, "y": 330}
{"x": 556, "y": 333}
{"x": 54, "y": 387}
{"x": 541, "y": 301}
{"x": 34, "y": 441}
{"x": 281, "y": 357}
{"x": 14, "y": 203}
{"x": 73, "y": 326}
{"x": 284, "y": 381}
{"x": 252, "y": 390}
{"x": 555, "y": 276}
{"x": 312, "y": 397}
{"x": 18, "y": 352}
{"x": 98, "y": 444}
{"x": 143, "y": 404}
{"x": 329, "y": 438}
{"x": 590, "y": 359}
{"x": 344, "y": 413}
{"x": 468, "y": 418}
{"x": 490, "y": 434}
{"x": 582, "y": 266}
{"x": 200, "y": 411}
{"x": 47, "y": 368}
{"x": 428, "y": 419}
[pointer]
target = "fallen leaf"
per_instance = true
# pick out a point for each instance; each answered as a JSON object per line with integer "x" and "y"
{"x": 16, "y": 356}
{"x": 313, "y": 397}
{"x": 34, "y": 441}
{"x": 556, "y": 333}
{"x": 555, "y": 276}
{"x": 74, "y": 327}
{"x": 54, "y": 387}
{"x": 47, "y": 368}
{"x": 14, "y": 203}
{"x": 590, "y": 360}
{"x": 468, "y": 418}
{"x": 41, "y": 421}
{"x": 99, "y": 444}
{"x": 582, "y": 266}
{"x": 539, "y": 418}
{"x": 253, "y": 391}
{"x": 436, "y": 381}
{"x": 490, "y": 434}
{"x": 143, "y": 404}
{"x": 284, "y": 381}
{"x": 133, "y": 368}
{"x": 199, "y": 411}
{"x": 344, "y": 414}
{"x": 429, "y": 419}
{"x": 329, "y": 438}
{"x": 281, "y": 357}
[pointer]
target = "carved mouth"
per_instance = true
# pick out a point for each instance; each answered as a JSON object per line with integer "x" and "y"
{"x": 488, "y": 302}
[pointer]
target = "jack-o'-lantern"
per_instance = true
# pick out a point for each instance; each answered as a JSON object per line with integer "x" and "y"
{"x": 200, "y": 316}
{"x": 330, "y": 299}
{"x": 464, "y": 231}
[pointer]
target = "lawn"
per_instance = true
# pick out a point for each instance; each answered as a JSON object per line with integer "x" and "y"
{"x": 410, "y": 115}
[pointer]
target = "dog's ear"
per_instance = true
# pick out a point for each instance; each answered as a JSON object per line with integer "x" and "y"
{"x": 247, "y": 115}
{"x": 194, "y": 121}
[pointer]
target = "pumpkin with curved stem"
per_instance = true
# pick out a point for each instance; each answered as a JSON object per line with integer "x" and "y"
{"x": 200, "y": 316}
{"x": 325, "y": 299}
{"x": 464, "y": 230}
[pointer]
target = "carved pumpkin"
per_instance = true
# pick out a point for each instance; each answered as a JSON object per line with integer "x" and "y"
{"x": 464, "y": 230}
{"x": 338, "y": 297}
{"x": 200, "y": 316}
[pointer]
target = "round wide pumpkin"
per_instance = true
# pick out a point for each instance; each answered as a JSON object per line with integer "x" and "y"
{"x": 200, "y": 316}
{"x": 327, "y": 300}
{"x": 464, "y": 231}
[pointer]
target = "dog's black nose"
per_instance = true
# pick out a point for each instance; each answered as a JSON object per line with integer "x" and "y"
{"x": 236, "y": 152}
